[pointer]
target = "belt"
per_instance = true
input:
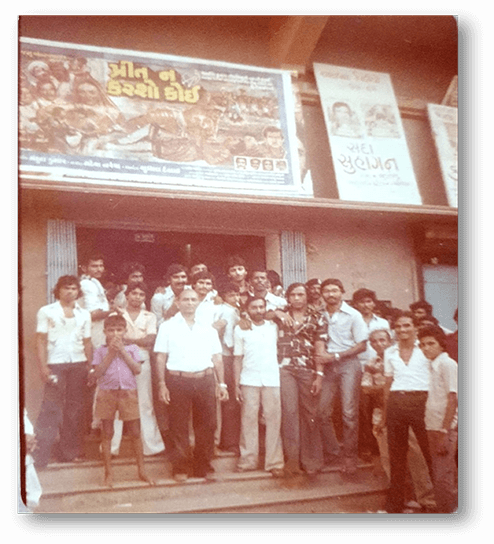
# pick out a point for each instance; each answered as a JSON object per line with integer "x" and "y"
{"x": 410, "y": 392}
{"x": 200, "y": 374}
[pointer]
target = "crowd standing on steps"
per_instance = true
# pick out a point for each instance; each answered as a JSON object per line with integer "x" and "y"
{"x": 200, "y": 367}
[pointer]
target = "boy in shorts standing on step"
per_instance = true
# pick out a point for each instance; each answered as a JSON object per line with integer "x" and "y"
{"x": 114, "y": 368}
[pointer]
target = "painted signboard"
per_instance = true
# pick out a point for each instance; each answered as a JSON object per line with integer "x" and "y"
{"x": 131, "y": 118}
{"x": 444, "y": 123}
{"x": 366, "y": 136}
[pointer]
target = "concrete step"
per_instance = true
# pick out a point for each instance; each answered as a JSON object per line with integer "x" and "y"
{"x": 79, "y": 489}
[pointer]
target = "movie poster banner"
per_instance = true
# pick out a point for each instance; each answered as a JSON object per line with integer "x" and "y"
{"x": 368, "y": 145}
{"x": 444, "y": 124}
{"x": 130, "y": 118}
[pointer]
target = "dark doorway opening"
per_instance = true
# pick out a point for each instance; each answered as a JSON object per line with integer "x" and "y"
{"x": 156, "y": 250}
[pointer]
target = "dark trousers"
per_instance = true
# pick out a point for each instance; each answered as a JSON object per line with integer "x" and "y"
{"x": 196, "y": 396}
{"x": 62, "y": 414}
{"x": 230, "y": 410}
{"x": 369, "y": 399}
{"x": 405, "y": 409}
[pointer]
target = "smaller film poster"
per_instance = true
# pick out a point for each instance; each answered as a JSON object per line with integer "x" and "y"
{"x": 444, "y": 123}
{"x": 125, "y": 117}
{"x": 370, "y": 153}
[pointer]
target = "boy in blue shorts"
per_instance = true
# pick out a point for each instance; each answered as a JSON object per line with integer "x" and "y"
{"x": 114, "y": 367}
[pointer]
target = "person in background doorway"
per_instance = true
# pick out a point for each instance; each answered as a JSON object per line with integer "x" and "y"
{"x": 452, "y": 340}
{"x": 421, "y": 309}
{"x": 131, "y": 272}
{"x": 441, "y": 417}
{"x": 163, "y": 304}
{"x": 64, "y": 349}
{"x": 275, "y": 285}
{"x": 141, "y": 331}
{"x": 314, "y": 297}
{"x": 237, "y": 272}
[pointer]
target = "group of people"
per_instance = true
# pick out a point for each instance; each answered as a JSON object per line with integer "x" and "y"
{"x": 232, "y": 360}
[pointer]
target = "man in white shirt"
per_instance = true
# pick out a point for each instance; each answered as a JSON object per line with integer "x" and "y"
{"x": 94, "y": 297}
{"x": 405, "y": 394}
{"x": 347, "y": 339}
{"x": 441, "y": 417}
{"x": 64, "y": 352}
{"x": 188, "y": 360}
{"x": 257, "y": 379}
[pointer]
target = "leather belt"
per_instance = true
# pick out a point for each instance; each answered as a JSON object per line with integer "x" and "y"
{"x": 200, "y": 374}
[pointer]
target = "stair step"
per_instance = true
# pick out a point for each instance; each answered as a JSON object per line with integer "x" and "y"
{"x": 230, "y": 491}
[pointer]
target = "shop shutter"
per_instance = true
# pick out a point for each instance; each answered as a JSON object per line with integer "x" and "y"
{"x": 293, "y": 258}
{"x": 61, "y": 253}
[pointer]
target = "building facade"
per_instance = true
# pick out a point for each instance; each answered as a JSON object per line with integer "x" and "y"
{"x": 403, "y": 252}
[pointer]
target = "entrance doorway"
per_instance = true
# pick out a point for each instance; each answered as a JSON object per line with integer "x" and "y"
{"x": 156, "y": 250}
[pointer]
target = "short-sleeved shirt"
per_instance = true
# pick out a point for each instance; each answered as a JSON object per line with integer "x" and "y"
{"x": 258, "y": 346}
{"x": 346, "y": 328}
{"x": 443, "y": 381}
{"x": 189, "y": 349}
{"x": 413, "y": 376}
{"x": 94, "y": 298}
{"x": 232, "y": 316}
{"x": 65, "y": 334}
{"x": 274, "y": 302}
{"x": 118, "y": 375}
{"x": 296, "y": 345}
{"x": 144, "y": 325}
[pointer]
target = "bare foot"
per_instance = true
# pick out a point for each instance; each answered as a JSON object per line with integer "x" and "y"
{"x": 108, "y": 480}
{"x": 145, "y": 478}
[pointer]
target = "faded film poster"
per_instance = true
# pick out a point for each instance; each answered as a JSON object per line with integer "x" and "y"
{"x": 132, "y": 118}
{"x": 444, "y": 123}
{"x": 368, "y": 145}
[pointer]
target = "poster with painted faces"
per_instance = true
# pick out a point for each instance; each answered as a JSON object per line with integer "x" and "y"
{"x": 129, "y": 118}
{"x": 366, "y": 136}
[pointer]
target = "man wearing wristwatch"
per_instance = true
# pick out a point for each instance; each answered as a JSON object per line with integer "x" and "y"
{"x": 190, "y": 366}
{"x": 347, "y": 338}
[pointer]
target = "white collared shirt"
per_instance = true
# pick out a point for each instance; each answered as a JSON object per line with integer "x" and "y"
{"x": 260, "y": 359}
{"x": 144, "y": 325}
{"x": 443, "y": 381}
{"x": 94, "y": 298}
{"x": 65, "y": 334}
{"x": 189, "y": 349}
{"x": 413, "y": 376}
{"x": 346, "y": 329}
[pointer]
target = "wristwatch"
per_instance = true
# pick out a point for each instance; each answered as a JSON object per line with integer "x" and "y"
{"x": 337, "y": 356}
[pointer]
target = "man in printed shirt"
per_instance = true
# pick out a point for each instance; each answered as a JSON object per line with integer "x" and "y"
{"x": 347, "y": 339}
{"x": 64, "y": 349}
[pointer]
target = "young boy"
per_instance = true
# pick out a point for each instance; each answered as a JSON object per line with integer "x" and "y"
{"x": 257, "y": 380}
{"x": 441, "y": 416}
{"x": 114, "y": 367}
